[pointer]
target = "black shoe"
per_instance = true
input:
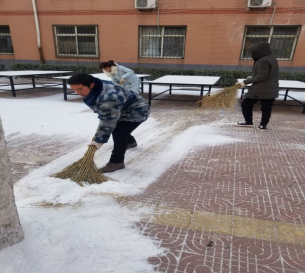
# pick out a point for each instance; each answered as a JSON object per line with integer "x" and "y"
{"x": 112, "y": 167}
{"x": 262, "y": 127}
{"x": 132, "y": 145}
{"x": 245, "y": 124}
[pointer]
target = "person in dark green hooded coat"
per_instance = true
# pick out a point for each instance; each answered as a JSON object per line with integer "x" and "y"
{"x": 265, "y": 85}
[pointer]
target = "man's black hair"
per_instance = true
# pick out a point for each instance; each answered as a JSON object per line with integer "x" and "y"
{"x": 84, "y": 79}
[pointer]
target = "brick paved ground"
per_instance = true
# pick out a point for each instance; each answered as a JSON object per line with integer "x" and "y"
{"x": 235, "y": 207}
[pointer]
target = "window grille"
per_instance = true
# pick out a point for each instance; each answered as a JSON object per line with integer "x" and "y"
{"x": 76, "y": 41}
{"x": 162, "y": 42}
{"x": 6, "y": 45}
{"x": 282, "y": 39}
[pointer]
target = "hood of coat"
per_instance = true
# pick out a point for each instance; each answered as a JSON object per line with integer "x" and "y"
{"x": 260, "y": 50}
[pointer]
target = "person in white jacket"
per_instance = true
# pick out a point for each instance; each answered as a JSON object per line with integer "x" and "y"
{"x": 121, "y": 75}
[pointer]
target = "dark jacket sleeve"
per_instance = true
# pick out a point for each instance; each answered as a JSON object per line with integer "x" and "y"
{"x": 263, "y": 70}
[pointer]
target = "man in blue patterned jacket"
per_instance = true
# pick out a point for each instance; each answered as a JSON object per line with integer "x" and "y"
{"x": 120, "y": 112}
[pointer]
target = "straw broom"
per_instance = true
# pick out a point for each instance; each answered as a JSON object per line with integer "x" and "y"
{"x": 225, "y": 98}
{"x": 84, "y": 170}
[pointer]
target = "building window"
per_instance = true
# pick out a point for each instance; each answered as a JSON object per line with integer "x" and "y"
{"x": 76, "y": 41}
{"x": 6, "y": 45}
{"x": 162, "y": 42}
{"x": 282, "y": 39}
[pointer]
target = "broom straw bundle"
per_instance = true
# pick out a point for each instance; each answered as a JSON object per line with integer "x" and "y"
{"x": 84, "y": 170}
{"x": 225, "y": 98}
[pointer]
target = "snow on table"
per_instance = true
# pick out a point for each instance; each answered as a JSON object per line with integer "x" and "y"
{"x": 101, "y": 76}
{"x": 292, "y": 84}
{"x": 201, "y": 81}
{"x": 30, "y": 73}
{"x": 286, "y": 84}
{"x": 188, "y": 80}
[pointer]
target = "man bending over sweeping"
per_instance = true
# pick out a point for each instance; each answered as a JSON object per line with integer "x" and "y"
{"x": 120, "y": 112}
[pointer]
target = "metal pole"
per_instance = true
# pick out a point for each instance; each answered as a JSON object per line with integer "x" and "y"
{"x": 38, "y": 32}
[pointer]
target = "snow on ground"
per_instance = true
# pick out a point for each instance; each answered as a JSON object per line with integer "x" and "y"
{"x": 91, "y": 232}
{"x": 86, "y": 230}
{"x": 96, "y": 237}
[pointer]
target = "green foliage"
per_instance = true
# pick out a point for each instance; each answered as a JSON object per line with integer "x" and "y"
{"x": 89, "y": 69}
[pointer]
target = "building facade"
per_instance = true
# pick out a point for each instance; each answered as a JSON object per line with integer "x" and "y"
{"x": 175, "y": 33}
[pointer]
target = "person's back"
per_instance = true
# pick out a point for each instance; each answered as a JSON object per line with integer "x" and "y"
{"x": 121, "y": 75}
{"x": 131, "y": 82}
{"x": 116, "y": 103}
{"x": 265, "y": 73}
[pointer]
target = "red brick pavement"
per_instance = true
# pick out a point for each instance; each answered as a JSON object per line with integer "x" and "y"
{"x": 235, "y": 207}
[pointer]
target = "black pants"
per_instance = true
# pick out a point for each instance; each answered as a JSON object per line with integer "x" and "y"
{"x": 266, "y": 108}
{"x": 122, "y": 137}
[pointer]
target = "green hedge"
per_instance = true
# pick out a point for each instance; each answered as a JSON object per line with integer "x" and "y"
{"x": 228, "y": 77}
{"x": 75, "y": 68}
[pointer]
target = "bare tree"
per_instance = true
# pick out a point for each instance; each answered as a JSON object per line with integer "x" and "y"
{"x": 10, "y": 228}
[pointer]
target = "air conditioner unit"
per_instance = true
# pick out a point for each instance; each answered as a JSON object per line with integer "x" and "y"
{"x": 146, "y": 4}
{"x": 259, "y": 3}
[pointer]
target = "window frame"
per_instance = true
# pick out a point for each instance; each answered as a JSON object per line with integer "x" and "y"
{"x": 76, "y": 35}
{"x": 7, "y": 35}
{"x": 270, "y": 36}
{"x": 162, "y": 35}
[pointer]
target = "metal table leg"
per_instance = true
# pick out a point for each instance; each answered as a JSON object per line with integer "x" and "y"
{"x": 201, "y": 94}
{"x": 149, "y": 93}
{"x": 285, "y": 97}
{"x": 201, "y": 91}
{"x": 210, "y": 88}
{"x": 33, "y": 81}
{"x": 64, "y": 85}
{"x": 242, "y": 93}
{"x": 12, "y": 86}
{"x": 170, "y": 89}
{"x": 142, "y": 85}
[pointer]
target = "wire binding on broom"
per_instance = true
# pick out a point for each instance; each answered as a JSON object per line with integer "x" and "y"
{"x": 225, "y": 98}
{"x": 84, "y": 170}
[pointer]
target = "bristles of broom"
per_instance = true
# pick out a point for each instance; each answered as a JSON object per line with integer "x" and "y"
{"x": 84, "y": 170}
{"x": 225, "y": 98}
